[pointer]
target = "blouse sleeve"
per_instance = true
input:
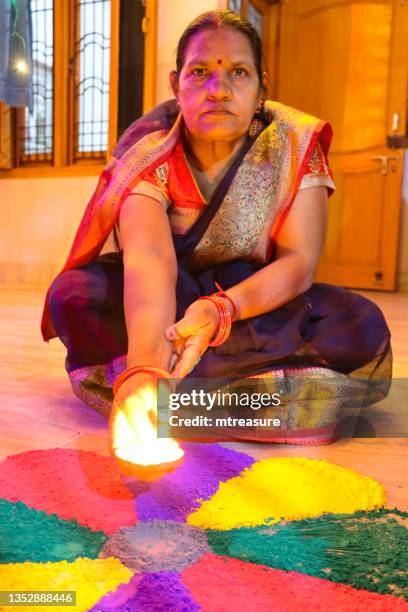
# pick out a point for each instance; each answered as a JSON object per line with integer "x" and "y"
{"x": 154, "y": 185}
{"x": 318, "y": 172}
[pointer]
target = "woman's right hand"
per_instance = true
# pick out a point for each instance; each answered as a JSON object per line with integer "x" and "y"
{"x": 133, "y": 424}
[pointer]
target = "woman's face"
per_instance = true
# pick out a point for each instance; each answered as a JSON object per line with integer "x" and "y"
{"x": 218, "y": 89}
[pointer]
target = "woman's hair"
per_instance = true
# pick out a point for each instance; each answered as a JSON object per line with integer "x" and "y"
{"x": 216, "y": 19}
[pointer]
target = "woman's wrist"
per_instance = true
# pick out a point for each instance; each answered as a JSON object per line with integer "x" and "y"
{"x": 229, "y": 303}
{"x": 224, "y": 319}
{"x": 158, "y": 356}
{"x": 141, "y": 371}
{"x": 209, "y": 308}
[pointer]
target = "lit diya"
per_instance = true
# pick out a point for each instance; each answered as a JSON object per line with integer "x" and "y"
{"x": 135, "y": 447}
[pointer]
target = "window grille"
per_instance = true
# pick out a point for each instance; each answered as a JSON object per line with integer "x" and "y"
{"x": 236, "y": 6}
{"x": 35, "y": 128}
{"x": 90, "y": 69}
{"x": 255, "y": 18}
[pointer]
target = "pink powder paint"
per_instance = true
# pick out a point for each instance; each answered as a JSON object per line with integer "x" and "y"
{"x": 220, "y": 583}
{"x": 72, "y": 484}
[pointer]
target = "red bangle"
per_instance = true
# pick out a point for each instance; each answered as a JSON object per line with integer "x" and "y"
{"x": 224, "y": 327}
{"x": 135, "y": 370}
{"x": 221, "y": 293}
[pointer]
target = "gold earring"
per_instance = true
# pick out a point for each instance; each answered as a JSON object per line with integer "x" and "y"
{"x": 261, "y": 107}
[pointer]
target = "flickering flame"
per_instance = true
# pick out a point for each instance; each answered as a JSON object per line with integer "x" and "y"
{"x": 139, "y": 444}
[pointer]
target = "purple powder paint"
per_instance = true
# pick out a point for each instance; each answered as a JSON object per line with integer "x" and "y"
{"x": 151, "y": 592}
{"x": 162, "y": 591}
{"x": 176, "y": 495}
{"x": 114, "y": 601}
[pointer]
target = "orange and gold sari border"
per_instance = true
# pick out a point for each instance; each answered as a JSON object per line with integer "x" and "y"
{"x": 151, "y": 150}
{"x": 103, "y": 209}
{"x": 310, "y": 138}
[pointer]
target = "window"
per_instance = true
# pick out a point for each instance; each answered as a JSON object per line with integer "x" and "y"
{"x": 75, "y": 84}
{"x": 88, "y": 61}
{"x": 264, "y": 15}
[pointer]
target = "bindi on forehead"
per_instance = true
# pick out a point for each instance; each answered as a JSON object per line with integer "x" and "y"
{"x": 219, "y": 61}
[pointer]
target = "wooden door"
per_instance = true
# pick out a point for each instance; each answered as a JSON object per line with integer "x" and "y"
{"x": 5, "y": 137}
{"x": 346, "y": 61}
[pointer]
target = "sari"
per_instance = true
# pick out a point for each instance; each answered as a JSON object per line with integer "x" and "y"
{"x": 328, "y": 347}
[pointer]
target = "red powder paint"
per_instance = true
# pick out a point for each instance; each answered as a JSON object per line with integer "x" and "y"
{"x": 72, "y": 484}
{"x": 220, "y": 583}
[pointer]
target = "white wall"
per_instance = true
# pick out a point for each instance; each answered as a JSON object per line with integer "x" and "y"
{"x": 39, "y": 218}
{"x": 173, "y": 17}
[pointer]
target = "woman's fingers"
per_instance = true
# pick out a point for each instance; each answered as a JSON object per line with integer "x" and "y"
{"x": 178, "y": 346}
{"x": 173, "y": 360}
{"x": 190, "y": 337}
{"x": 135, "y": 410}
{"x": 187, "y": 326}
{"x": 193, "y": 349}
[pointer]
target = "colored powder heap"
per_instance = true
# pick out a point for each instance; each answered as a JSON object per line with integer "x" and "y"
{"x": 175, "y": 495}
{"x": 32, "y": 535}
{"x": 157, "y": 546}
{"x": 219, "y": 583}
{"x": 74, "y": 484}
{"x": 368, "y": 550}
{"x": 180, "y": 572}
{"x": 90, "y": 578}
{"x": 157, "y": 592}
{"x": 289, "y": 488}
{"x": 111, "y": 602}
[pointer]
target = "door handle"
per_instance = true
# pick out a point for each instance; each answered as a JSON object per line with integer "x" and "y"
{"x": 384, "y": 159}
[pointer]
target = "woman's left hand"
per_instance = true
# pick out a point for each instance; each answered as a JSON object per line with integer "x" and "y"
{"x": 191, "y": 336}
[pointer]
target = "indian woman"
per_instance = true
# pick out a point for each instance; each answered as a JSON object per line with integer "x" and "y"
{"x": 218, "y": 194}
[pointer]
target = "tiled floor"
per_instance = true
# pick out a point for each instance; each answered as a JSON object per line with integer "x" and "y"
{"x": 39, "y": 410}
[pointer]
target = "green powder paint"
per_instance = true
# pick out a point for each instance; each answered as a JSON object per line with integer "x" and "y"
{"x": 27, "y": 534}
{"x": 367, "y": 550}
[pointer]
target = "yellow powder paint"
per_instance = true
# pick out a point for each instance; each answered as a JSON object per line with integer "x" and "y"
{"x": 289, "y": 488}
{"x": 90, "y": 578}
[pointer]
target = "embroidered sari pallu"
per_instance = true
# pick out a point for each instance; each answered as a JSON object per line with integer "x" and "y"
{"x": 326, "y": 349}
